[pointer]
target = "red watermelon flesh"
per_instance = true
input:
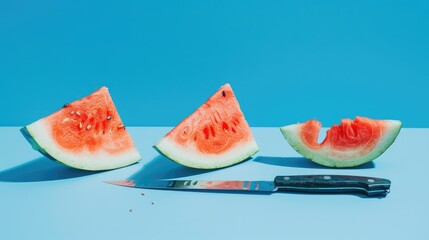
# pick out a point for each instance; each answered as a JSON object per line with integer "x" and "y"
{"x": 349, "y": 144}
{"x": 216, "y": 135}
{"x": 86, "y": 134}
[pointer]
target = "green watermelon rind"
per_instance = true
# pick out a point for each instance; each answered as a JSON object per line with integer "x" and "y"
{"x": 291, "y": 134}
{"x": 35, "y": 145}
{"x": 183, "y": 157}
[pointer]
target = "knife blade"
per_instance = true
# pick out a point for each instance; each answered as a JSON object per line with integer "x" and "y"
{"x": 370, "y": 186}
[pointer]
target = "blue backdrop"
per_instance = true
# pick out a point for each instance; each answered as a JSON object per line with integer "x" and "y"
{"x": 287, "y": 61}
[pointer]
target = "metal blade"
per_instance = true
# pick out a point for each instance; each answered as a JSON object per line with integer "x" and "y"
{"x": 212, "y": 185}
{"x": 125, "y": 183}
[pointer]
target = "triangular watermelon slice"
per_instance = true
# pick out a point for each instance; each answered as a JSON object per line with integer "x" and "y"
{"x": 350, "y": 144}
{"x": 216, "y": 135}
{"x": 85, "y": 134}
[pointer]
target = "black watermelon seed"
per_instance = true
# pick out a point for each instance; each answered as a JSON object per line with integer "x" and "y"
{"x": 223, "y": 93}
{"x": 66, "y": 105}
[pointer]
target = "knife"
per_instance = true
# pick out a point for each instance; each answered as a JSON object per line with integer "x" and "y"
{"x": 370, "y": 186}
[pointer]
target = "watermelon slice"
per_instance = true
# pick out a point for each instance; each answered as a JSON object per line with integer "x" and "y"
{"x": 216, "y": 135}
{"x": 85, "y": 134}
{"x": 350, "y": 144}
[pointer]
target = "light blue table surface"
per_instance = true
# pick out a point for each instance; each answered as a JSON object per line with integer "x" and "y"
{"x": 41, "y": 199}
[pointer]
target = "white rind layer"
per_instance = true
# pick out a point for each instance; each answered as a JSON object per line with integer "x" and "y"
{"x": 326, "y": 156}
{"x": 95, "y": 161}
{"x": 191, "y": 157}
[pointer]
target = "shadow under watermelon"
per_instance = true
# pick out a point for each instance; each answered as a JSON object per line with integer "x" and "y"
{"x": 301, "y": 162}
{"x": 163, "y": 168}
{"x": 41, "y": 169}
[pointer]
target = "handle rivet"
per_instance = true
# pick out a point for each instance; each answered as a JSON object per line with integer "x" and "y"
{"x": 326, "y": 177}
{"x": 371, "y": 180}
{"x": 286, "y": 178}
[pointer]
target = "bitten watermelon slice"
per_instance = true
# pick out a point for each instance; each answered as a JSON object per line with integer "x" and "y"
{"x": 85, "y": 134}
{"x": 352, "y": 143}
{"x": 216, "y": 135}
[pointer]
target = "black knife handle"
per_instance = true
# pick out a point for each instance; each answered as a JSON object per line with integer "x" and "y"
{"x": 333, "y": 184}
